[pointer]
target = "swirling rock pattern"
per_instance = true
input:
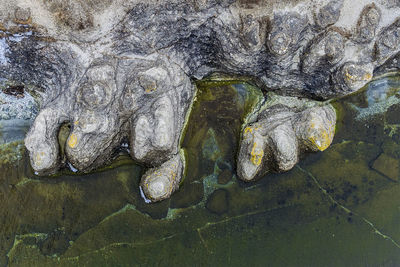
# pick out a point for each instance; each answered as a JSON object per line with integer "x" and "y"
{"x": 280, "y": 134}
{"x": 121, "y": 70}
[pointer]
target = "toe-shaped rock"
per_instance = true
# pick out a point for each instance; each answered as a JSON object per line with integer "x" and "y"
{"x": 284, "y": 146}
{"x": 41, "y": 141}
{"x": 251, "y": 154}
{"x": 160, "y": 182}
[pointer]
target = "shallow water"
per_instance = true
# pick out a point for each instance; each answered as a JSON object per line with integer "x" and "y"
{"x": 340, "y": 207}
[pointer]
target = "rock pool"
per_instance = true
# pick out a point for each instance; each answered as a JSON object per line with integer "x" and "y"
{"x": 340, "y": 207}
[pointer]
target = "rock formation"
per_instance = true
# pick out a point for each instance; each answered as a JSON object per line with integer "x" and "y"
{"x": 281, "y": 132}
{"x": 121, "y": 70}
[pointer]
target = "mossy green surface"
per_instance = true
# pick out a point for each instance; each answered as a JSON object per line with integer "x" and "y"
{"x": 332, "y": 209}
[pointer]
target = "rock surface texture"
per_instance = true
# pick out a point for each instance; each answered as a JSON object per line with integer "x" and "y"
{"x": 120, "y": 71}
{"x": 280, "y": 134}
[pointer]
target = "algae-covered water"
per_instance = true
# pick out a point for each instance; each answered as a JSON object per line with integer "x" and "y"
{"x": 340, "y": 207}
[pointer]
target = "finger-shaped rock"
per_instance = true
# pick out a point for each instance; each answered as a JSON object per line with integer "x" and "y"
{"x": 160, "y": 182}
{"x": 42, "y": 143}
{"x": 93, "y": 134}
{"x": 251, "y": 153}
{"x": 315, "y": 127}
{"x": 163, "y": 137}
{"x": 154, "y": 137}
{"x": 284, "y": 145}
{"x": 281, "y": 133}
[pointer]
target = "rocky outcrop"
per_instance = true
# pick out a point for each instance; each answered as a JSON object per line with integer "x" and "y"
{"x": 121, "y": 70}
{"x": 280, "y": 134}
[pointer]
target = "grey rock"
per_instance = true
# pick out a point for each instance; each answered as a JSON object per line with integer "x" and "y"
{"x": 121, "y": 70}
{"x": 280, "y": 134}
{"x": 329, "y": 13}
{"x": 160, "y": 182}
{"x": 368, "y": 23}
{"x": 22, "y": 14}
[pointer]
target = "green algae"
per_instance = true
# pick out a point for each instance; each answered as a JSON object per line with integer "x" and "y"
{"x": 333, "y": 209}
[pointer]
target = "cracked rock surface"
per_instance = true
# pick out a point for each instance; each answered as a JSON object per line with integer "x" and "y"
{"x": 122, "y": 70}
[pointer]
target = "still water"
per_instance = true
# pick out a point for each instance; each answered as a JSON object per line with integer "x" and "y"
{"x": 340, "y": 207}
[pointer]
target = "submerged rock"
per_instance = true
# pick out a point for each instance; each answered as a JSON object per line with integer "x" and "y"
{"x": 388, "y": 166}
{"x": 218, "y": 202}
{"x": 122, "y": 70}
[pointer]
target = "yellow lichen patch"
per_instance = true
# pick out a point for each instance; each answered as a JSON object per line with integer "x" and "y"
{"x": 72, "y": 140}
{"x": 248, "y": 130}
{"x": 368, "y": 76}
{"x": 349, "y": 76}
{"x": 256, "y": 155}
{"x": 76, "y": 122}
{"x": 151, "y": 87}
{"x": 324, "y": 139}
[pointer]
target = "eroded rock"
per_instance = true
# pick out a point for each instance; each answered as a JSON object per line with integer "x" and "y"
{"x": 160, "y": 182}
{"x": 280, "y": 134}
{"x": 121, "y": 70}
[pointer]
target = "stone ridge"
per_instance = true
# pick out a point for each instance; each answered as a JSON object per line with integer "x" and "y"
{"x": 122, "y": 70}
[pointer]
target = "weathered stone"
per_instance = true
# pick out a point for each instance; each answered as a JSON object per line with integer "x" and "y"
{"x": 368, "y": 23}
{"x": 393, "y": 114}
{"x": 160, "y": 182}
{"x": 280, "y": 134}
{"x": 329, "y": 13}
{"x": 285, "y": 32}
{"x": 22, "y": 14}
{"x": 121, "y": 70}
{"x": 388, "y": 166}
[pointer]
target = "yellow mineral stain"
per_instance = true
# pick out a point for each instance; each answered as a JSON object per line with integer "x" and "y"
{"x": 72, "y": 140}
{"x": 151, "y": 88}
{"x": 349, "y": 76}
{"x": 368, "y": 76}
{"x": 256, "y": 157}
{"x": 248, "y": 130}
{"x": 323, "y": 141}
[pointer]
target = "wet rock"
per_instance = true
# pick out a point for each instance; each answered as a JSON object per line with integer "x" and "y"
{"x": 253, "y": 32}
{"x": 225, "y": 176}
{"x": 16, "y": 103}
{"x": 392, "y": 115}
{"x": 188, "y": 195}
{"x": 218, "y": 202}
{"x": 275, "y": 141}
{"x": 160, "y": 182}
{"x": 56, "y": 243}
{"x": 387, "y": 44}
{"x": 354, "y": 75}
{"x": 388, "y": 166}
{"x": 325, "y": 52}
{"x": 119, "y": 72}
